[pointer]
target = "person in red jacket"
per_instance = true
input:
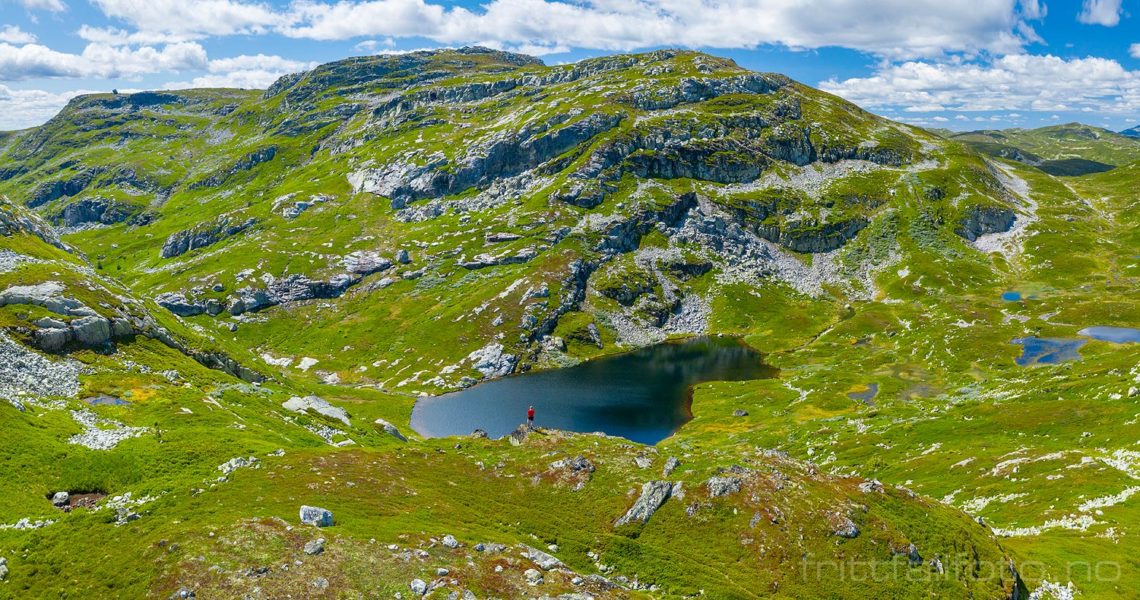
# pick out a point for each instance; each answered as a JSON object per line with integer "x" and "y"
{"x": 530, "y": 416}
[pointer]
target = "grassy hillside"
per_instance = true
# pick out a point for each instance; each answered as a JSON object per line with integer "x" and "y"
{"x": 1063, "y": 150}
{"x": 384, "y": 227}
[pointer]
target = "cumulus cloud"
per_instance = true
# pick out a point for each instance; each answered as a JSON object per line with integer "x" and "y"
{"x": 14, "y": 35}
{"x": 1013, "y": 82}
{"x": 192, "y": 20}
{"x": 246, "y": 71}
{"x": 258, "y": 62}
{"x": 22, "y": 108}
{"x": 253, "y": 79}
{"x": 48, "y": 5}
{"x": 889, "y": 28}
{"x": 1134, "y": 50}
{"x": 1100, "y": 12}
{"x": 892, "y": 28}
{"x": 32, "y": 61}
{"x": 113, "y": 36}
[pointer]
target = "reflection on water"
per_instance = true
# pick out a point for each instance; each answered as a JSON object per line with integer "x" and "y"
{"x": 642, "y": 396}
{"x": 1116, "y": 335}
{"x": 104, "y": 400}
{"x": 1035, "y": 350}
{"x": 865, "y": 395}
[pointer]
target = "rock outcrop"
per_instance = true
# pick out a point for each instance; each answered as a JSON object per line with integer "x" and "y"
{"x": 489, "y": 260}
{"x": 492, "y": 361}
{"x": 246, "y": 163}
{"x": 545, "y": 561}
{"x": 204, "y": 235}
{"x": 178, "y": 304}
{"x": 82, "y": 326}
{"x": 505, "y": 155}
{"x": 812, "y": 237}
{"x": 982, "y": 220}
{"x": 294, "y": 288}
{"x": 316, "y": 404}
{"x": 15, "y": 219}
{"x": 54, "y": 190}
{"x": 390, "y": 429}
{"x": 653, "y": 496}
{"x": 723, "y": 486}
{"x": 94, "y": 210}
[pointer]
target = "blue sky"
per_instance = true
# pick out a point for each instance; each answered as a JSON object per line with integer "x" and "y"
{"x": 962, "y": 64}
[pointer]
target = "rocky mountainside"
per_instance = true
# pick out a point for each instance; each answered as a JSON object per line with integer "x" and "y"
{"x": 220, "y": 305}
{"x": 623, "y": 190}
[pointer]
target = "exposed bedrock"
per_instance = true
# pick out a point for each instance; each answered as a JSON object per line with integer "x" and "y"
{"x": 982, "y": 220}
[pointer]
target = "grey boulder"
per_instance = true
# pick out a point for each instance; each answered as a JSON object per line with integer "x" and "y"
{"x": 315, "y": 547}
{"x": 315, "y": 515}
{"x": 653, "y": 496}
{"x": 302, "y": 404}
{"x": 723, "y": 486}
{"x": 391, "y": 430}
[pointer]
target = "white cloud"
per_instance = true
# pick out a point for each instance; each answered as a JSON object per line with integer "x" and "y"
{"x": 112, "y": 36}
{"x": 32, "y": 61}
{"x": 254, "y": 79}
{"x": 1033, "y": 9}
{"x": 12, "y": 34}
{"x": 941, "y": 119}
{"x": 1015, "y": 82}
{"x": 246, "y": 71}
{"x": 23, "y": 108}
{"x": 895, "y": 28}
{"x": 1134, "y": 50}
{"x": 258, "y": 62}
{"x": 48, "y": 5}
{"x": 375, "y": 45}
{"x": 1100, "y": 12}
{"x": 889, "y": 28}
{"x": 196, "y": 19}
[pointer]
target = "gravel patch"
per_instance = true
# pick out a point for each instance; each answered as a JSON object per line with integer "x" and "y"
{"x": 27, "y": 376}
{"x": 101, "y": 434}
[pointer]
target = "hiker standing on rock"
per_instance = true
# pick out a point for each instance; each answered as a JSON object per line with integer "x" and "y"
{"x": 530, "y": 416}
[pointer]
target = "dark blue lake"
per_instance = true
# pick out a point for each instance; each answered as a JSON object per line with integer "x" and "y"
{"x": 643, "y": 396}
{"x": 1116, "y": 335}
{"x": 1035, "y": 350}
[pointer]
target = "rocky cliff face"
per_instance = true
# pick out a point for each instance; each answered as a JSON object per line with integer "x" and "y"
{"x": 204, "y": 235}
{"x": 981, "y": 220}
{"x": 95, "y": 210}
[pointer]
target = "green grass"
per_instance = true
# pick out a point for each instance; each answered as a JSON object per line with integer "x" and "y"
{"x": 906, "y": 305}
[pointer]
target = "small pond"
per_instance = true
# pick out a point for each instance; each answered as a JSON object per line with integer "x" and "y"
{"x": 1011, "y": 296}
{"x": 1036, "y": 350}
{"x": 105, "y": 400}
{"x": 1116, "y": 335}
{"x": 643, "y": 396}
{"x": 865, "y": 394}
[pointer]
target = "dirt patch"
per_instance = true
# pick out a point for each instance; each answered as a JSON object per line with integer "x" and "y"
{"x": 88, "y": 500}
